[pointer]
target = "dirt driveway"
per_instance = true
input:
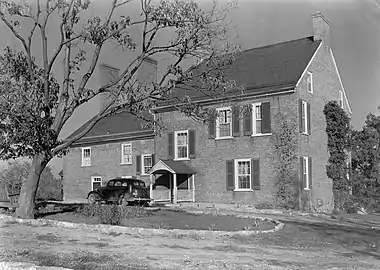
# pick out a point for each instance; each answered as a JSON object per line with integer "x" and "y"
{"x": 304, "y": 243}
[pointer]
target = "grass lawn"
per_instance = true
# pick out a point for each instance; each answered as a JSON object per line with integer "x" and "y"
{"x": 171, "y": 219}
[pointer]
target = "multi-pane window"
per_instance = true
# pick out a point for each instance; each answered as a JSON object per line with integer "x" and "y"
{"x": 96, "y": 182}
{"x": 305, "y": 171}
{"x": 181, "y": 144}
{"x": 126, "y": 153}
{"x": 258, "y": 118}
{"x": 86, "y": 156}
{"x": 310, "y": 82}
{"x": 146, "y": 163}
{"x": 341, "y": 99}
{"x": 243, "y": 174}
{"x": 305, "y": 117}
{"x": 224, "y": 125}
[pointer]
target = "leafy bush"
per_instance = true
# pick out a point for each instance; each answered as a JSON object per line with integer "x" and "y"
{"x": 112, "y": 214}
{"x": 16, "y": 173}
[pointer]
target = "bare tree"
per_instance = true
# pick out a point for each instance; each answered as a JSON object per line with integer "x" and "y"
{"x": 34, "y": 106}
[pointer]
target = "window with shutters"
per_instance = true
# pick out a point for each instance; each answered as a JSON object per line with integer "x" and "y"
{"x": 86, "y": 156}
{"x": 305, "y": 171}
{"x": 126, "y": 153}
{"x": 261, "y": 121}
{"x": 305, "y": 117}
{"x": 146, "y": 163}
{"x": 224, "y": 123}
{"x": 310, "y": 86}
{"x": 96, "y": 182}
{"x": 242, "y": 174}
{"x": 341, "y": 99}
{"x": 181, "y": 141}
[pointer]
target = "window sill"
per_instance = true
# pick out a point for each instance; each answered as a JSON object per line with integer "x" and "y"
{"x": 261, "y": 135}
{"x": 224, "y": 138}
{"x": 144, "y": 174}
{"x": 126, "y": 163}
{"x": 242, "y": 190}
{"x": 307, "y": 189}
{"x": 181, "y": 159}
{"x": 305, "y": 133}
{"x": 85, "y": 165}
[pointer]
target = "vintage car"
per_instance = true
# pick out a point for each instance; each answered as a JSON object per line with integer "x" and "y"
{"x": 123, "y": 191}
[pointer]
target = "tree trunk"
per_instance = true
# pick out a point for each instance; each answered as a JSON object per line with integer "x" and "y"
{"x": 29, "y": 188}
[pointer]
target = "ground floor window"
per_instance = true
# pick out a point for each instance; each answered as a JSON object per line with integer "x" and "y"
{"x": 96, "y": 182}
{"x": 243, "y": 174}
{"x": 146, "y": 163}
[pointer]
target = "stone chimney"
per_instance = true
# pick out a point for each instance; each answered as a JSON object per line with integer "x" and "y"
{"x": 147, "y": 72}
{"x": 107, "y": 74}
{"x": 321, "y": 29}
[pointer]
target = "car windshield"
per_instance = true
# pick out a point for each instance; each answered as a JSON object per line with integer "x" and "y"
{"x": 139, "y": 184}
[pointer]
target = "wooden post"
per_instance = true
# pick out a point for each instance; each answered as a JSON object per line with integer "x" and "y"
{"x": 175, "y": 188}
{"x": 151, "y": 186}
{"x": 170, "y": 187}
{"x": 193, "y": 183}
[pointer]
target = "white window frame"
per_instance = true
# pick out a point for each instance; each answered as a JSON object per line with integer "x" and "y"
{"x": 305, "y": 122}
{"x": 341, "y": 98}
{"x": 143, "y": 165}
{"x": 309, "y": 78}
{"x": 236, "y": 176}
{"x": 176, "y": 145}
{"x": 86, "y": 162}
{"x": 217, "y": 135}
{"x": 305, "y": 170}
{"x": 122, "y": 153}
{"x": 95, "y": 179}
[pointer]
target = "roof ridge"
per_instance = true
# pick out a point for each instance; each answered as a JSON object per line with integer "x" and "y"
{"x": 274, "y": 44}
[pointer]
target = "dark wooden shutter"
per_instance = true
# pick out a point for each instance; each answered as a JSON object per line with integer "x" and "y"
{"x": 230, "y": 174}
{"x": 212, "y": 125}
{"x": 153, "y": 159}
{"x": 255, "y": 174}
{"x": 171, "y": 145}
{"x": 301, "y": 123}
{"x": 138, "y": 164}
{"x": 192, "y": 143}
{"x": 308, "y": 119}
{"x": 266, "y": 127}
{"x": 236, "y": 121}
{"x": 310, "y": 173}
{"x": 301, "y": 173}
{"x": 247, "y": 122}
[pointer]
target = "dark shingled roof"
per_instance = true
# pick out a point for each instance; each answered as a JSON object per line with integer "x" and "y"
{"x": 179, "y": 167}
{"x": 265, "y": 68}
{"x": 259, "y": 70}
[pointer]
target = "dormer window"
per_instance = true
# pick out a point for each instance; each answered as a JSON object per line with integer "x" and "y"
{"x": 310, "y": 85}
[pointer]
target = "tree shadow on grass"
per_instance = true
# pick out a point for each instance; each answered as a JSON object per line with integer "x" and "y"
{"x": 47, "y": 209}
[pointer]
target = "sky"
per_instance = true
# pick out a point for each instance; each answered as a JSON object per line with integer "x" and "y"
{"x": 355, "y": 40}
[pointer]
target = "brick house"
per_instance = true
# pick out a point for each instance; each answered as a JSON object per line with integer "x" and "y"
{"x": 230, "y": 158}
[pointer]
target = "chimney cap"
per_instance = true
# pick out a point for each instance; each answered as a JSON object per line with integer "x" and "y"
{"x": 319, "y": 14}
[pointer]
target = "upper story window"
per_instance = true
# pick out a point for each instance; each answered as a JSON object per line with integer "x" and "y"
{"x": 181, "y": 142}
{"x": 126, "y": 153}
{"x": 310, "y": 86}
{"x": 147, "y": 163}
{"x": 224, "y": 123}
{"x": 305, "y": 123}
{"x": 341, "y": 99}
{"x": 261, "y": 119}
{"x": 86, "y": 156}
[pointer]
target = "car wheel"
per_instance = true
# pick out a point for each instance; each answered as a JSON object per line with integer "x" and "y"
{"x": 91, "y": 199}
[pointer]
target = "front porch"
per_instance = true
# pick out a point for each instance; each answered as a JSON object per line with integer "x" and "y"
{"x": 172, "y": 181}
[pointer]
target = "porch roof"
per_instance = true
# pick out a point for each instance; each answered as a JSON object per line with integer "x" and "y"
{"x": 178, "y": 167}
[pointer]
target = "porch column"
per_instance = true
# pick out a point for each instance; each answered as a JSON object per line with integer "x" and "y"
{"x": 193, "y": 183}
{"x": 151, "y": 186}
{"x": 174, "y": 188}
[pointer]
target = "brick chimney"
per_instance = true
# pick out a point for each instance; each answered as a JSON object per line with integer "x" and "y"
{"x": 107, "y": 74}
{"x": 321, "y": 29}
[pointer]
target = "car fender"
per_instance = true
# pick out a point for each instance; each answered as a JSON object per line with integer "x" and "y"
{"x": 95, "y": 192}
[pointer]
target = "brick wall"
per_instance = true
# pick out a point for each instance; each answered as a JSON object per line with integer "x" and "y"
{"x": 326, "y": 88}
{"x": 211, "y": 154}
{"x": 105, "y": 162}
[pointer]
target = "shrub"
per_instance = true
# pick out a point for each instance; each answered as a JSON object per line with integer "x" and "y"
{"x": 16, "y": 173}
{"x": 112, "y": 214}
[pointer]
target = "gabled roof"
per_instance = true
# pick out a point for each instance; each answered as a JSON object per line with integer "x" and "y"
{"x": 269, "y": 69}
{"x": 178, "y": 167}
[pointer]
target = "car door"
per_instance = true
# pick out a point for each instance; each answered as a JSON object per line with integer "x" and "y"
{"x": 117, "y": 190}
{"x": 108, "y": 190}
